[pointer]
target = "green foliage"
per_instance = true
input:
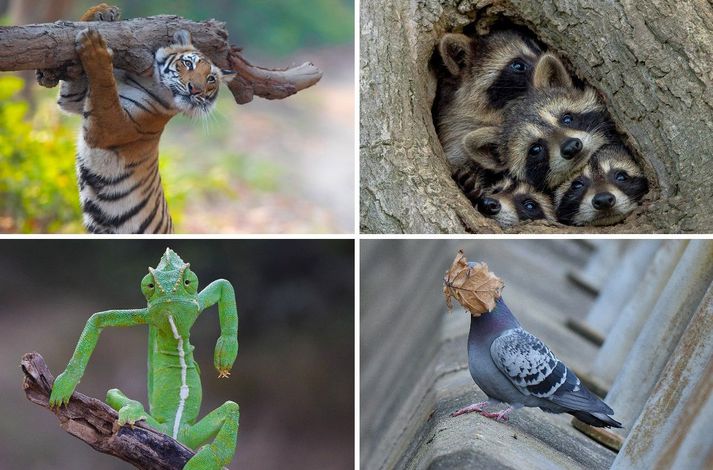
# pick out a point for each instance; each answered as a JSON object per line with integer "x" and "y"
{"x": 38, "y": 188}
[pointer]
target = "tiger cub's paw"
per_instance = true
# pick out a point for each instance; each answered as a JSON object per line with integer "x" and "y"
{"x": 101, "y": 12}
{"x": 92, "y": 50}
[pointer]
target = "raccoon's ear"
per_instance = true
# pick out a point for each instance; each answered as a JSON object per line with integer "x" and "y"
{"x": 481, "y": 147}
{"x": 550, "y": 73}
{"x": 456, "y": 52}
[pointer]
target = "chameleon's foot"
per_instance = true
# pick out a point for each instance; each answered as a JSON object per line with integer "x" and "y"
{"x": 204, "y": 459}
{"x": 221, "y": 423}
{"x": 130, "y": 411}
{"x": 62, "y": 390}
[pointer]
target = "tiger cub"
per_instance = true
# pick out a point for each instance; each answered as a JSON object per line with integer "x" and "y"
{"x": 124, "y": 115}
{"x": 511, "y": 202}
{"x": 607, "y": 189}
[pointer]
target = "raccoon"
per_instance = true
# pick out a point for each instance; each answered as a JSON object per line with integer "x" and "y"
{"x": 477, "y": 78}
{"x": 472, "y": 180}
{"x": 550, "y": 133}
{"x": 606, "y": 190}
{"x": 511, "y": 202}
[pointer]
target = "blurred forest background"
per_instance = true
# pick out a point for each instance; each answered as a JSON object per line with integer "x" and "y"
{"x": 284, "y": 166}
{"x": 293, "y": 378}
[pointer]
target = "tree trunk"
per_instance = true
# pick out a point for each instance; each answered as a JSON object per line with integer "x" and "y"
{"x": 650, "y": 59}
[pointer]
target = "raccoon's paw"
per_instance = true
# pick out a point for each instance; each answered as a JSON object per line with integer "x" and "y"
{"x": 102, "y": 12}
{"x": 468, "y": 182}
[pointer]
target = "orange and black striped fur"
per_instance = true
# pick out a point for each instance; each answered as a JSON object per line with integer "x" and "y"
{"x": 124, "y": 115}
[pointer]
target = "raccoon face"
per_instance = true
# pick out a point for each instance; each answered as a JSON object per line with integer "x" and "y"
{"x": 511, "y": 202}
{"x": 550, "y": 133}
{"x": 480, "y": 77}
{"x": 605, "y": 192}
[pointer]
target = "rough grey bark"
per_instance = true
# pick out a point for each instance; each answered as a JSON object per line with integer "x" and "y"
{"x": 134, "y": 42}
{"x": 650, "y": 59}
{"x": 95, "y": 423}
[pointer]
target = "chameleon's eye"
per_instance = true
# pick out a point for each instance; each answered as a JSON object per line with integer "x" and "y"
{"x": 190, "y": 281}
{"x": 147, "y": 285}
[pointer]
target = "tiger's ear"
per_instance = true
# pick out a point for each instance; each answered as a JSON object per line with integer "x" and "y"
{"x": 228, "y": 75}
{"x": 182, "y": 38}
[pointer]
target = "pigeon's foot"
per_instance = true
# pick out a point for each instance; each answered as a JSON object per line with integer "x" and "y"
{"x": 475, "y": 407}
{"x": 500, "y": 416}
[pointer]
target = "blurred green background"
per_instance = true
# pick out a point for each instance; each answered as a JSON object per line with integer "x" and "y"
{"x": 284, "y": 166}
{"x": 293, "y": 378}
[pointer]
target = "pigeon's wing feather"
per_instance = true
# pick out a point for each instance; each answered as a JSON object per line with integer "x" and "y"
{"x": 535, "y": 370}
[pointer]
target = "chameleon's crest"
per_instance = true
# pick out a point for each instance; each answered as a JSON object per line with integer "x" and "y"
{"x": 170, "y": 261}
{"x": 169, "y": 271}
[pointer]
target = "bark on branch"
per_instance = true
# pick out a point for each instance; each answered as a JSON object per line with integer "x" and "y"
{"x": 134, "y": 42}
{"x": 94, "y": 422}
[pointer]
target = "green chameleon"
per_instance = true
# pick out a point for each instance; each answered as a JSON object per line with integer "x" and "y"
{"x": 174, "y": 384}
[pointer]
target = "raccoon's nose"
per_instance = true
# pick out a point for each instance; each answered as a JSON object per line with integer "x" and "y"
{"x": 489, "y": 206}
{"x": 602, "y": 201}
{"x": 570, "y": 148}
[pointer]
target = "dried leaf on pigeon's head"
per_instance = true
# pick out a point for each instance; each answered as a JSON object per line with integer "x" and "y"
{"x": 472, "y": 285}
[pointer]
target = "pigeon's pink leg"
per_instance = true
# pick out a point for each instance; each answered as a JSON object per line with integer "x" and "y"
{"x": 499, "y": 416}
{"x": 475, "y": 407}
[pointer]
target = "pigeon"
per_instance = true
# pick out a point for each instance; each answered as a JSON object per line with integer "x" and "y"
{"x": 515, "y": 367}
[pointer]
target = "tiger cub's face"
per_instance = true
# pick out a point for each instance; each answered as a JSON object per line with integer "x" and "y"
{"x": 191, "y": 77}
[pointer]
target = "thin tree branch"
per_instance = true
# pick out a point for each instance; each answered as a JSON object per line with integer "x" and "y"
{"x": 50, "y": 47}
{"x": 95, "y": 423}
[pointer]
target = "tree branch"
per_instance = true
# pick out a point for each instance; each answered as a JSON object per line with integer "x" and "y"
{"x": 95, "y": 423}
{"x": 50, "y": 46}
